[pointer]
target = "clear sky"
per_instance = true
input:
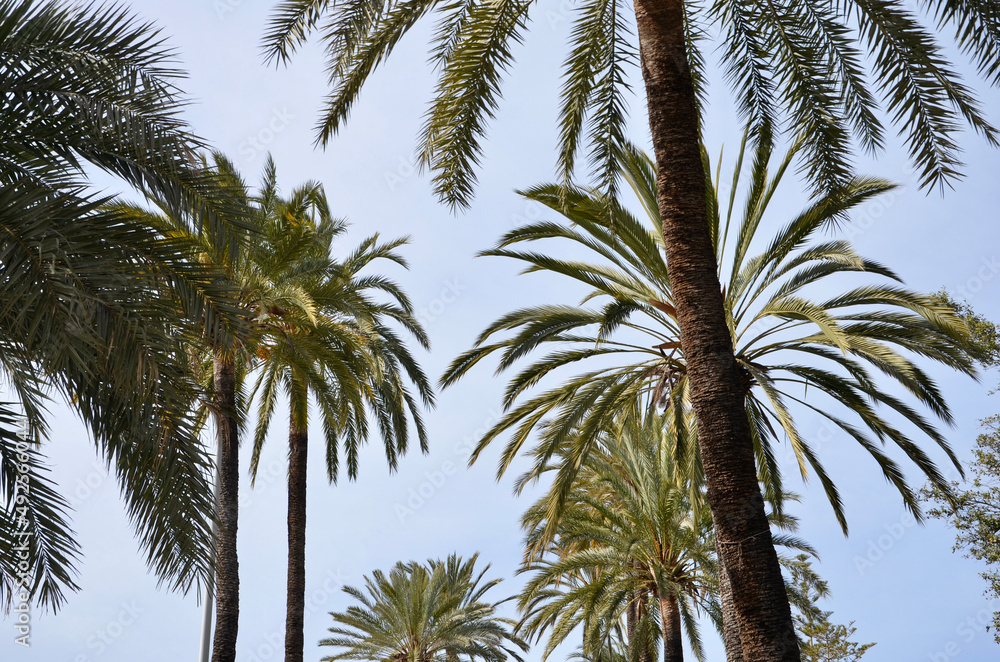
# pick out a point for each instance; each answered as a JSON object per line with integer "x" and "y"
{"x": 899, "y": 582}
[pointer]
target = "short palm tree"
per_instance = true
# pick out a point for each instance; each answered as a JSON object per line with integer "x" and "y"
{"x": 831, "y": 74}
{"x": 95, "y": 308}
{"x": 631, "y": 534}
{"x": 633, "y": 540}
{"x": 339, "y": 347}
{"x": 424, "y": 613}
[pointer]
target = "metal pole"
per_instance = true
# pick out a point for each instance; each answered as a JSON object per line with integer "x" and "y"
{"x": 207, "y": 608}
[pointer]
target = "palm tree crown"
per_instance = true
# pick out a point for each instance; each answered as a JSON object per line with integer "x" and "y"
{"x": 633, "y": 537}
{"x": 424, "y": 613}
{"x": 816, "y": 69}
{"x": 788, "y": 346}
{"x": 324, "y": 330}
{"x": 634, "y": 540}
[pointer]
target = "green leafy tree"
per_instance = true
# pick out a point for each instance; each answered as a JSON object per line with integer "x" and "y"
{"x": 974, "y": 510}
{"x": 337, "y": 346}
{"x": 97, "y": 309}
{"x": 985, "y": 332}
{"x": 820, "y": 639}
{"x": 424, "y": 613}
{"x": 973, "y": 507}
{"x": 823, "y": 73}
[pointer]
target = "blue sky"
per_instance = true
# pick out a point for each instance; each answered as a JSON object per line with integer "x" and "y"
{"x": 898, "y": 581}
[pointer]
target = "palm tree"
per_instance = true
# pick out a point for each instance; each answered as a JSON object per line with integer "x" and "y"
{"x": 632, "y": 532}
{"x": 339, "y": 347}
{"x": 633, "y": 538}
{"x": 96, "y": 309}
{"x": 631, "y": 339}
{"x": 819, "y": 70}
{"x": 424, "y": 613}
{"x": 220, "y": 362}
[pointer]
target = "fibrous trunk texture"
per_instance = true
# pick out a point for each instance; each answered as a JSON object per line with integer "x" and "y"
{"x": 670, "y": 615}
{"x": 717, "y": 395}
{"x": 227, "y": 567}
{"x": 297, "y": 452}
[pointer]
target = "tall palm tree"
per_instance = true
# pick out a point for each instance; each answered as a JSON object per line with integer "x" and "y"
{"x": 626, "y": 331}
{"x": 219, "y": 361}
{"x": 95, "y": 308}
{"x": 424, "y": 613}
{"x": 820, "y": 70}
{"x": 340, "y": 348}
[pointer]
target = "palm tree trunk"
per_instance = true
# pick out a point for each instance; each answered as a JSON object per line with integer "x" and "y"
{"x": 298, "y": 440}
{"x": 631, "y": 622}
{"x": 227, "y": 567}
{"x": 762, "y": 612}
{"x": 670, "y": 615}
{"x": 636, "y": 630}
{"x": 730, "y": 628}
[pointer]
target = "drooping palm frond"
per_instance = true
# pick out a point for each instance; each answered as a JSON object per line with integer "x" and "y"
{"x": 833, "y": 355}
{"x": 94, "y": 84}
{"x": 89, "y": 315}
{"x": 823, "y": 73}
{"x": 96, "y": 307}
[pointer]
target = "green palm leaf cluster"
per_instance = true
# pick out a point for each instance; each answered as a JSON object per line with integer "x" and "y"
{"x": 326, "y": 328}
{"x": 632, "y": 541}
{"x": 816, "y": 69}
{"x": 424, "y": 613}
{"x": 96, "y": 309}
{"x": 632, "y": 554}
{"x": 834, "y": 354}
{"x": 320, "y": 329}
